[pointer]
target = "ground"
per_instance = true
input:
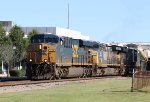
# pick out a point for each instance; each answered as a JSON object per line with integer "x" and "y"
{"x": 104, "y": 90}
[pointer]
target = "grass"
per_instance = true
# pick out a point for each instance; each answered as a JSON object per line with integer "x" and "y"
{"x": 106, "y": 90}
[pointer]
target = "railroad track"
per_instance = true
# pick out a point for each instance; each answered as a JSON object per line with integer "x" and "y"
{"x": 28, "y": 82}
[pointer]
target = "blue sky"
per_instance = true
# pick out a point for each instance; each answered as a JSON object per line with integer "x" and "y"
{"x": 102, "y": 20}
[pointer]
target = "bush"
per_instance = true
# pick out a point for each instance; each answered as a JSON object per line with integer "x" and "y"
{"x": 17, "y": 73}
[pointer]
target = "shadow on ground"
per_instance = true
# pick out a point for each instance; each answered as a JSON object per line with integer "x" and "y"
{"x": 115, "y": 90}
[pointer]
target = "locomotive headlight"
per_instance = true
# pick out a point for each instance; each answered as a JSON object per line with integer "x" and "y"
{"x": 40, "y": 47}
{"x": 45, "y": 60}
{"x": 30, "y": 60}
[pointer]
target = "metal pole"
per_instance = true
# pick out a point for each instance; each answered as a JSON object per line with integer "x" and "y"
{"x": 68, "y": 17}
{"x": 132, "y": 80}
{"x": 2, "y": 67}
{"x": 14, "y": 48}
{"x": 20, "y": 66}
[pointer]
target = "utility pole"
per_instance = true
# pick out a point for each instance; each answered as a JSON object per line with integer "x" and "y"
{"x": 132, "y": 80}
{"x": 68, "y": 17}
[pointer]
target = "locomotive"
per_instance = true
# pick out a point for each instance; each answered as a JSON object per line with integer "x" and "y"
{"x": 50, "y": 56}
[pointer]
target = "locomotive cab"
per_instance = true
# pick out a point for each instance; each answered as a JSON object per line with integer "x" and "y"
{"x": 42, "y": 48}
{"x": 41, "y": 54}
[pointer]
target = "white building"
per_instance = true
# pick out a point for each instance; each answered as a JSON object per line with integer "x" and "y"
{"x": 7, "y": 23}
{"x": 58, "y": 31}
{"x": 53, "y": 30}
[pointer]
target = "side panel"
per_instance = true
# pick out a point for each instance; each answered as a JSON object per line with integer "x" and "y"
{"x": 63, "y": 56}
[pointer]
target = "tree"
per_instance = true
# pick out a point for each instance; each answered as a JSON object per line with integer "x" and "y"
{"x": 7, "y": 54}
{"x": 25, "y": 45}
{"x": 16, "y": 35}
{"x": 34, "y": 31}
{"x": 2, "y": 31}
{"x": 6, "y": 51}
{"x": 2, "y": 34}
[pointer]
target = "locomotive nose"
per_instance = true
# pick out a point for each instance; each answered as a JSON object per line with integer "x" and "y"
{"x": 39, "y": 53}
{"x": 34, "y": 53}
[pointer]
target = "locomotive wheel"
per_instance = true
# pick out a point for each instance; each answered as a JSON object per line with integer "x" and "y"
{"x": 87, "y": 73}
{"x": 102, "y": 72}
{"x": 60, "y": 73}
{"x": 84, "y": 73}
{"x": 43, "y": 71}
{"x": 120, "y": 71}
{"x": 48, "y": 71}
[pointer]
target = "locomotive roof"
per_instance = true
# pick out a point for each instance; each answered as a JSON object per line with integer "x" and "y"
{"x": 44, "y": 36}
{"x": 82, "y": 42}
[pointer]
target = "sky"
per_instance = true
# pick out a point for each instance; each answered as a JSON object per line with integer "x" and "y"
{"x": 101, "y": 20}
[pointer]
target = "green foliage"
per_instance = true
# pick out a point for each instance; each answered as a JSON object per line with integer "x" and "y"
{"x": 34, "y": 31}
{"x": 2, "y": 34}
{"x": 16, "y": 36}
{"x": 7, "y": 40}
{"x": 141, "y": 56}
{"x": 7, "y": 43}
{"x": 2, "y": 31}
{"x": 25, "y": 43}
{"x": 23, "y": 72}
{"x": 17, "y": 73}
{"x": 6, "y": 51}
{"x": 4, "y": 40}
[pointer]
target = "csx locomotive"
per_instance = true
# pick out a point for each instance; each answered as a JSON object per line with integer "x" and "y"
{"x": 50, "y": 56}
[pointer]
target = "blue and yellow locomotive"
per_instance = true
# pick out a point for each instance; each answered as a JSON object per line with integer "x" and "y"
{"x": 50, "y": 56}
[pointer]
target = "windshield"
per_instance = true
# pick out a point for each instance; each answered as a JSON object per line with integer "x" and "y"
{"x": 44, "y": 38}
{"x": 37, "y": 40}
